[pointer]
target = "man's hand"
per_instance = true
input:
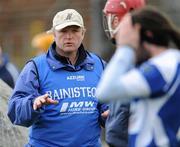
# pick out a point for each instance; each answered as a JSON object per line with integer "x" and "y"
{"x": 105, "y": 114}
{"x": 43, "y": 100}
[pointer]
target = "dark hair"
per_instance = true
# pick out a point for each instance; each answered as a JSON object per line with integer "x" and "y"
{"x": 156, "y": 27}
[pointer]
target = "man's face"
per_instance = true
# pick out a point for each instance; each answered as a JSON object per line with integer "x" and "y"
{"x": 68, "y": 39}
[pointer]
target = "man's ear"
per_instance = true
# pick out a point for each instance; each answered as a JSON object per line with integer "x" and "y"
{"x": 84, "y": 31}
{"x": 146, "y": 45}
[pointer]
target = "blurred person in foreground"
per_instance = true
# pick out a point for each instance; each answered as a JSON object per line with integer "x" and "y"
{"x": 8, "y": 71}
{"x": 117, "y": 120}
{"x": 55, "y": 92}
{"x": 153, "y": 87}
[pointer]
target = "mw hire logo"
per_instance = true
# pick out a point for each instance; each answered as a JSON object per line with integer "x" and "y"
{"x": 78, "y": 106}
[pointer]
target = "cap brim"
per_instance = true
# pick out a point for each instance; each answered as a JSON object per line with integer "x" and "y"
{"x": 61, "y": 26}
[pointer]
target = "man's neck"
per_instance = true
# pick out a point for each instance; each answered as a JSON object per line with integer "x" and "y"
{"x": 71, "y": 56}
{"x": 158, "y": 50}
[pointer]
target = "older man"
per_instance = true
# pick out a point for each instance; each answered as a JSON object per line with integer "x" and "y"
{"x": 55, "y": 93}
